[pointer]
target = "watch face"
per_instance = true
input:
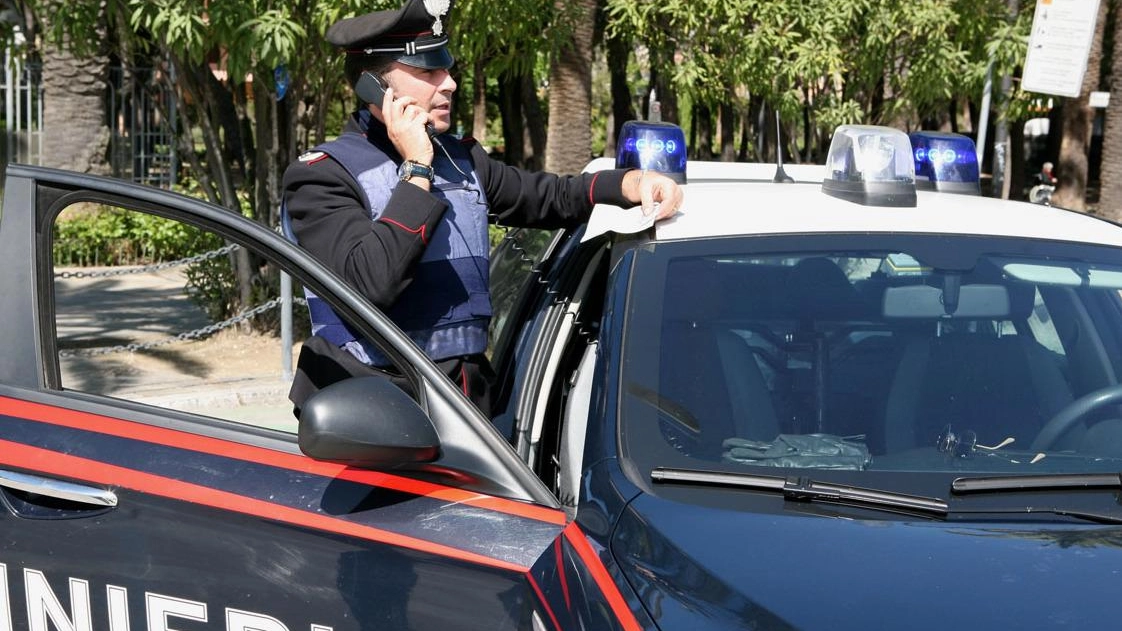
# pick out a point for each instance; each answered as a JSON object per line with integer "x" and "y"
{"x": 410, "y": 169}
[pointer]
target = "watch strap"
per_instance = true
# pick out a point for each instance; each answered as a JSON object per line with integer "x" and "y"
{"x": 410, "y": 169}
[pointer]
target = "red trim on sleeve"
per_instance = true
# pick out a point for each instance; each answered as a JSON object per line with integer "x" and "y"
{"x": 420, "y": 231}
{"x": 464, "y": 380}
{"x": 592, "y": 185}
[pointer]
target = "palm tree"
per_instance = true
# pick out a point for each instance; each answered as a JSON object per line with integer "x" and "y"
{"x": 76, "y": 134}
{"x": 1110, "y": 200}
{"x": 569, "y": 139}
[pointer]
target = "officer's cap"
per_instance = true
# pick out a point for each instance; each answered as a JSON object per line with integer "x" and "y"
{"x": 416, "y": 34}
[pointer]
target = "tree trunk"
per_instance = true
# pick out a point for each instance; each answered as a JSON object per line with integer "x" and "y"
{"x": 703, "y": 122}
{"x": 728, "y": 132}
{"x": 623, "y": 110}
{"x": 1071, "y": 170}
{"x": 510, "y": 108}
{"x": 536, "y": 134}
{"x": 569, "y": 140}
{"x": 1110, "y": 199}
{"x": 75, "y": 132}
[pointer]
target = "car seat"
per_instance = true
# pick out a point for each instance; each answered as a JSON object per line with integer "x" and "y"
{"x": 997, "y": 386}
{"x": 705, "y": 366}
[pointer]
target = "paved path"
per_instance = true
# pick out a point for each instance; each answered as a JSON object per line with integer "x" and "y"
{"x": 230, "y": 375}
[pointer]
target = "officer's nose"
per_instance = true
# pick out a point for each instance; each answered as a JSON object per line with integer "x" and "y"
{"x": 447, "y": 83}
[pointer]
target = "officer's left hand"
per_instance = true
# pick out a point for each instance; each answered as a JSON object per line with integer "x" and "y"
{"x": 654, "y": 191}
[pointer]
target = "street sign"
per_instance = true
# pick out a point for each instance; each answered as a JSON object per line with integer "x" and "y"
{"x": 1062, "y": 31}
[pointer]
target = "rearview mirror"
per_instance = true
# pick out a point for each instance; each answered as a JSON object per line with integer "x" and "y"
{"x": 924, "y": 301}
{"x": 366, "y": 422}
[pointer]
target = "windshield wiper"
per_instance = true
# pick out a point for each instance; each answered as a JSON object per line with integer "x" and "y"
{"x": 1044, "y": 482}
{"x": 1005, "y": 483}
{"x": 806, "y": 490}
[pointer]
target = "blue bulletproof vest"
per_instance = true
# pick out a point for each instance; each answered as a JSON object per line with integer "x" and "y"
{"x": 446, "y": 309}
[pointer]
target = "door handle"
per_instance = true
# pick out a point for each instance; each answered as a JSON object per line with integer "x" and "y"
{"x": 59, "y": 489}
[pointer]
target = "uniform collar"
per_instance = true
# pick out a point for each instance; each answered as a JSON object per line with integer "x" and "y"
{"x": 363, "y": 122}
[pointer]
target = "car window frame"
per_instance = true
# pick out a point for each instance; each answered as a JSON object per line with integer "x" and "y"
{"x": 471, "y": 438}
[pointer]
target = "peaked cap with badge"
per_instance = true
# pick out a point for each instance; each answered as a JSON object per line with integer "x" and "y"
{"x": 415, "y": 35}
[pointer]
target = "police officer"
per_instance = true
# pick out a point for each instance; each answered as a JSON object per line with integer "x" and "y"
{"x": 399, "y": 208}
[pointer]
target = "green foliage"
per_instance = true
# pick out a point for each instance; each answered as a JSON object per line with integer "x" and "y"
{"x": 860, "y": 61}
{"x": 111, "y": 236}
{"x": 210, "y": 284}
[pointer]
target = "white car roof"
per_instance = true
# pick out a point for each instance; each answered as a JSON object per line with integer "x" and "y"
{"x": 725, "y": 199}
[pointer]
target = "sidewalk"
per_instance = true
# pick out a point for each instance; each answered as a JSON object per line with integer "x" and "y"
{"x": 228, "y": 374}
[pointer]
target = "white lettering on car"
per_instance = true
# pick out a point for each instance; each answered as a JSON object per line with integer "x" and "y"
{"x": 237, "y": 620}
{"x": 118, "y": 599}
{"x": 44, "y": 608}
{"x": 42, "y": 604}
{"x": 161, "y": 608}
{"x": 5, "y": 602}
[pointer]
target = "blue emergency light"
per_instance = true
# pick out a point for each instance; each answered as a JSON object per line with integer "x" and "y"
{"x": 945, "y": 162}
{"x": 655, "y": 146}
{"x": 870, "y": 165}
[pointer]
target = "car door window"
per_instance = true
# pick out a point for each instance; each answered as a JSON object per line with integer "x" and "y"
{"x": 142, "y": 313}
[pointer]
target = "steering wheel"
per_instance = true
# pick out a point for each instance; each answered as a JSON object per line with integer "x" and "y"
{"x": 1066, "y": 418}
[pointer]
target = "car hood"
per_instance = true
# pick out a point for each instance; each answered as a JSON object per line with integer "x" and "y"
{"x": 707, "y": 568}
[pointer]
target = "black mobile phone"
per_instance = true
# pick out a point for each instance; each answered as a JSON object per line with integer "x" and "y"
{"x": 372, "y": 89}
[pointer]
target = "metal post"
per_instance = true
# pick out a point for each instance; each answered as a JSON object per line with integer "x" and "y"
{"x": 286, "y": 326}
{"x": 984, "y": 114}
{"x": 9, "y": 105}
{"x": 17, "y": 72}
{"x": 173, "y": 142}
{"x": 39, "y": 118}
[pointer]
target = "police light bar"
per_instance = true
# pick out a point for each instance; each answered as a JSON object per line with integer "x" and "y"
{"x": 945, "y": 162}
{"x": 870, "y": 165}
{"x": 653, "y": 145}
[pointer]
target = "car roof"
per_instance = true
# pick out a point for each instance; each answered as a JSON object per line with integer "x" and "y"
{"x": 726, "y": 199}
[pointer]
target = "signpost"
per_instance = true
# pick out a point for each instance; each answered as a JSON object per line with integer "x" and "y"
{"x": 1062, "y": 31}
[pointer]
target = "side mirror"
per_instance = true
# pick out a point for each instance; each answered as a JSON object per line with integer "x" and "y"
{"x": 366, "y": 422}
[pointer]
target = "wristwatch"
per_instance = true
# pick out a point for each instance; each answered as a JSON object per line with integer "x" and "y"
{"x": 410, "y": 169}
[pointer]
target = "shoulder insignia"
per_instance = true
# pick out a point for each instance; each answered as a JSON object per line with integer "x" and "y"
{"x": 311, "y": 157}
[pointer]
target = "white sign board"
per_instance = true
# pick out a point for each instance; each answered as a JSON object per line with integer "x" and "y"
{"x": 1062, "y": 31}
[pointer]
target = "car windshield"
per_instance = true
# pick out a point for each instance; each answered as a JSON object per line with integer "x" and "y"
{"x": 864, "y": 353}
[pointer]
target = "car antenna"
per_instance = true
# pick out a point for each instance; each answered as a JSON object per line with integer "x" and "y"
{"x": 780, "y": 174}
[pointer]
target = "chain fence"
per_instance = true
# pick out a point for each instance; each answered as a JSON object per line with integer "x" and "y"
{"x": 155, "y": 267}
{"x": 195, "y": 334}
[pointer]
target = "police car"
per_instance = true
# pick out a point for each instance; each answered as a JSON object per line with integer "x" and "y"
{"x": 841, "y": 396}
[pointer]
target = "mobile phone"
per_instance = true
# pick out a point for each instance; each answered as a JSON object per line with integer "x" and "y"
{"x": 372, "y": 89}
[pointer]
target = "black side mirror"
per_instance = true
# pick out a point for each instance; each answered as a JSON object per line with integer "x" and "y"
{"x": 367, "y": 422}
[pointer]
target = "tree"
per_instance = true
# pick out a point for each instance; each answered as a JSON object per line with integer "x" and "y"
{"x": 1071, "y": 170}
{"x": 569, "y": 143}
{"x": 1110, "y": 200}
{"x": 74, "y": 90}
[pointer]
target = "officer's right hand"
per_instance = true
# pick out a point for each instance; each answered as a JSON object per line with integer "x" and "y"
{"x": 405, "y": 124}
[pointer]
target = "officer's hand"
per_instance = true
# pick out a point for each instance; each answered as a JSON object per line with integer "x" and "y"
{"x": 405, "y": 124}
{"x": 653, "y": 191}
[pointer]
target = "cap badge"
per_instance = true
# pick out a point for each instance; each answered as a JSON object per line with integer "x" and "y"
{"x": 436, "y": 9}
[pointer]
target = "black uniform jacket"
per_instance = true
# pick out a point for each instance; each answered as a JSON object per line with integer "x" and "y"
{"x": 330, "y": 219}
